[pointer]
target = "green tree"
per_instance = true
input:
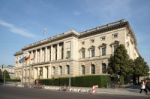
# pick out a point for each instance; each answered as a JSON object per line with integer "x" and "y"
{"x": 119, "y": 63}
{"x": 6, "y": 74}
{"x": 140, "y": 68}
{"x": 1, "y": 77}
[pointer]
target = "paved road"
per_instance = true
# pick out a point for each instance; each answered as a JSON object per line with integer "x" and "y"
{"x": 28, "y": 93}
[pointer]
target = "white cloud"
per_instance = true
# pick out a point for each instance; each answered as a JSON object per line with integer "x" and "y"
{"x": 16, "y": 30}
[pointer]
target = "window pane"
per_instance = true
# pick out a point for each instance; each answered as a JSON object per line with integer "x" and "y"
{"x": 103, "y": 51}
{"x": 83, "y": 53}
{"x": 92, "y": 69}
{"x": 68, "y": 69}
{"x": 83, "y": 69}
{"x": 104, "y": 69}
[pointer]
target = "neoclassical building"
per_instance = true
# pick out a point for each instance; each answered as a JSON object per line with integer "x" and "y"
{"x": 74, "y": 53}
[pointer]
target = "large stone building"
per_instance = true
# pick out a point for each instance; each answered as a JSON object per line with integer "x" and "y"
{"x": 74, "y": 53}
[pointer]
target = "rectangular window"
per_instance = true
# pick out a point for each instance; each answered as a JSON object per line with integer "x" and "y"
{"x": 93, "y": 52}
{"x": 68, "y": 55}
{"x": 116, "y": 35}
{"x": 103, "y": 51}
{"x": 83, "y": 53}
{"x": 103, "y": 38}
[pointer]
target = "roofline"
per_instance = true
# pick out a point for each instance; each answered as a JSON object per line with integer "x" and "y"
{"x": 88, "y": 32}
{"x": 18, "y": 53}
{"x": 52, "y": 39}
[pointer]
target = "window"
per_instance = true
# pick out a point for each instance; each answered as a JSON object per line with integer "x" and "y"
{"x": 82, "y": 69}
{"x": 92, "y": 51}
{"x": 104, "y": 69}
{"x": 68, "y": 55}
{"x": 92, "y": 40}
{"x": 68, "y": 69}
{"x": 116, "y": 44}
{"x": 68, "y": 49}
{"x": 41, "y": 71}
{"x": 83, "y": 53}
{"x": 115, "y": 35}
{"x": 82, "y": 42}
{"x": 103, "y": 38}
{"x": 92, "y": 69}
{"x": 60, "y": 70}
{"x": 104, "y": 51}
{"x": 53, "y": 70}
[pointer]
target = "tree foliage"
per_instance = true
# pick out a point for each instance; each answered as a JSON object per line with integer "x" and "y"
{"x": 118, "y": 63}
{"x": 140, "y": 67}
{"x": 121, "y": 64}
{"x": 1, "y": 78}
{"x": 6, "y": 74}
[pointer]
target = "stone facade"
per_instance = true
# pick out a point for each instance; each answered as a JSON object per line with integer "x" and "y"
{"x": 74, "y": 53}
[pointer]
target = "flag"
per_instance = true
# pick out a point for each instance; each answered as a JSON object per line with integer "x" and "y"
{"x": 27, "y": 57}
{"x": 22, "y": 60}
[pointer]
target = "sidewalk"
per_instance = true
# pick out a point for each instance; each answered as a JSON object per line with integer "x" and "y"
{"x": 115, "y": 91}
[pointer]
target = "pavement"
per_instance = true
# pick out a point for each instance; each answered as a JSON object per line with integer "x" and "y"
{"x": 114, "y": 91}
{"x": 12, "y": 92}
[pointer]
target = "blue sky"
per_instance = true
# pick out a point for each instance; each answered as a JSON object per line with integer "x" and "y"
{"x": 23, "y": 21}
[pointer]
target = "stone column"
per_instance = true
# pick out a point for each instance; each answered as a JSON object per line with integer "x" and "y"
{"x": 52, "y": 53}
{"x": 49, "y": 72}
{"x": 45, "y": 71}
{"x": 31, "y": 58}
{"x": 45, "y": 54}
{"x": 48, "y": 53}
{"x": 58, "y": 52}
{"x": 40, "y": 59}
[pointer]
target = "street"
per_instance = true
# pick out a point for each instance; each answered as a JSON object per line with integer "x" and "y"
{"x": 29, "y": 93}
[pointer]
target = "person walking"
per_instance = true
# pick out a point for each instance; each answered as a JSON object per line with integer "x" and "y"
{"x": 143, "y": 86}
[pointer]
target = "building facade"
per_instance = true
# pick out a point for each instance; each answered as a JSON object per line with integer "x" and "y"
{"x": 9, "y": 69}
{"x": 74, "y": 53}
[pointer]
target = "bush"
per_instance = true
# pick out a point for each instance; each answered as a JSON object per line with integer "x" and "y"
{"x": 13, "y": 80}
{"x": 80, "y": 81}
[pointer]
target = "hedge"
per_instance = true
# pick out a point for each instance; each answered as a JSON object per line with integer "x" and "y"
{"x": 80, "y": 81}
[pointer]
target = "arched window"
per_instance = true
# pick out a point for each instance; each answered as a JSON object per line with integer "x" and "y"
{"x": 68, "y": 69}
{"x": 53, "y": 70}
{"x": 92, "y": 69}
{"x": 104, "y": 68}
{"x": 60, "y": 70}
{"x": 82, "y": 69}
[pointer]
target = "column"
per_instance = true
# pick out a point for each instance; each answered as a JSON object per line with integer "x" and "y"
{"x": 35, "y": 73}
{"x": 45, "y": 72}
{"x": 49, "y": 72}
{"x": 46, "y": 55}
{"x": 40, "y": 58}
{"x": 35, "y": 60}
{"x": 52, "y": 53}
{"x": 31, "y": 58}
{"x": 58, "y": 51}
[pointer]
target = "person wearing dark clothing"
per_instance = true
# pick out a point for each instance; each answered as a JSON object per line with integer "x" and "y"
{"x": 143, "y": 87}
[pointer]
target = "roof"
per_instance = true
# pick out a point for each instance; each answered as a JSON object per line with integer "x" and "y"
{"x": 18, "y": 53}
{"x": 93, "y": 31}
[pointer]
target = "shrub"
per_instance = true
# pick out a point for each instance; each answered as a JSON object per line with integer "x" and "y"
{"x": 80, "y": 81}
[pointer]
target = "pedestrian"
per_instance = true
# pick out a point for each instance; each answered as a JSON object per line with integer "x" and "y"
{"x": 143, "y": 86}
